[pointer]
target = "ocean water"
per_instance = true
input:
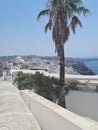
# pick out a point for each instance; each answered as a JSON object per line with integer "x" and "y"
{"x": 93, "y": 65}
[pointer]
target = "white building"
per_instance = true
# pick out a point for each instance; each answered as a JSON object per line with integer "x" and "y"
{"x": 19, "y": 60}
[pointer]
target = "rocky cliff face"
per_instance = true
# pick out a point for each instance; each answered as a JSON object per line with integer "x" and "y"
{"x": 79, "y": 67}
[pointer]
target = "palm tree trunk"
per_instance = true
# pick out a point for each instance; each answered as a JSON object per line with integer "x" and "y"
{"x": 61, "y": 97}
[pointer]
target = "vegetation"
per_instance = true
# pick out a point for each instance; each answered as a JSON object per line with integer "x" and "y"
{"x": 81, "y": 86}
{"x": 43, "y": 85}
{"x": 72, "y": 85}
{"x": 62, "y": 19}
{"x": 1, "y": 69}
{"x": 48, "y": 86}
{"x": 0, "y": 72}
{"x": 97, "y": 89}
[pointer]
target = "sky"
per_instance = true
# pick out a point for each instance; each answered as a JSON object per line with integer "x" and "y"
{"x": 22, "y": 34}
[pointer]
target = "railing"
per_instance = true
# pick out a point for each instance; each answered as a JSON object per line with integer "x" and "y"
{"x": 50, "y": 116}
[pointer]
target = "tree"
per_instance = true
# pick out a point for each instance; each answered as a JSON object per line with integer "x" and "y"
{"x": 62, "y": 19}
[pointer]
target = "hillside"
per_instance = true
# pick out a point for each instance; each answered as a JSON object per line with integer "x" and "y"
{"x": 80, "y": 67}
{"x": 77, "y": 64}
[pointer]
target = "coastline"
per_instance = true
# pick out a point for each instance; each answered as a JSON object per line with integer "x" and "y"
{"x": 93, "y": 64}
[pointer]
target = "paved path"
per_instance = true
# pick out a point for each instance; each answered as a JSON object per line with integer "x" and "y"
{"x": 14, "y": 114}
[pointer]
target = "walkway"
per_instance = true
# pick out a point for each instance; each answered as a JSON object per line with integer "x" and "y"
{"x": 14, "y": 114}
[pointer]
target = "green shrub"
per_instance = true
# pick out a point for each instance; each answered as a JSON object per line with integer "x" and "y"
{"x": 1, "y": 69}
{"x": 43, "y": 85}
{"x": 96, "y": 88}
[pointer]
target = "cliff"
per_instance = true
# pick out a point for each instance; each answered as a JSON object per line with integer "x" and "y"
{"x": 79, "y": 67}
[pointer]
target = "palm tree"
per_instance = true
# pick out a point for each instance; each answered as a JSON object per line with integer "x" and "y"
{"x": 62, "y": 19}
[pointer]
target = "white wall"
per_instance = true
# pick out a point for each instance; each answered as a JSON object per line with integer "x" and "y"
{"x": 50, "y": 116}
{"x": 83, "y": 103}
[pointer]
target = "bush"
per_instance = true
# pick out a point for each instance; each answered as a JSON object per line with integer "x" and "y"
{"x": 43, "y": 85}
{"x": 71, "y": 85}
{"x": 24, "y": 81}
{"x": 97, "y": 89}
{"x": 1, "y": 69}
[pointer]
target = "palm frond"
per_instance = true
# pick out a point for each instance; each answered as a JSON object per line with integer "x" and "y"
{"x": 54, "y": 2}
{"x": 73, "y": 7}
{"x": 83, "y": 10}
{"x": 48, "y": 25}
{"x": 67, "y": 33}
{"x": 78, "y": 2}
{"x": 75, "y": 21}
{"x": 43, "y": 13}
{"x": 60, "y": 13}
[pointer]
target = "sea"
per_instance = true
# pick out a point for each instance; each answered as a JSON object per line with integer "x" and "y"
{"x": 92, "y": 65}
